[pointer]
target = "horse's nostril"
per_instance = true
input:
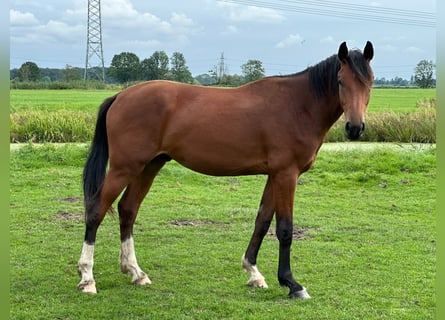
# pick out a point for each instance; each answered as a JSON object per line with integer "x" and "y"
{"x": 353, "y": 132}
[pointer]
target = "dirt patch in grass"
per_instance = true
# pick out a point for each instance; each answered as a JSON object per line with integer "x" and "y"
{"x": 298, "y": 234}
{"x": 68, "y": 216}
{"x": 70, "y": 199}
{"x": 193, "y": 223}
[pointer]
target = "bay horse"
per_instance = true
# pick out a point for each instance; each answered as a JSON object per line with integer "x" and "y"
{"x": 273, "y": 126}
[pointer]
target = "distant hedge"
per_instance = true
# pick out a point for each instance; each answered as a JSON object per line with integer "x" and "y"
{"x": 57, "y": 126}
{"x": 61, "y": 85}
{"x": 419, "y": 126}
{"x": 77, "y": 126}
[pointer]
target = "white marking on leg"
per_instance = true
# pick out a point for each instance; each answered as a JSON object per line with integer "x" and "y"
{"x": 256, "y": 278}
{"x": 85, "y": 269}
{"x": 302, "y": 294}
{"x": 129, "y": 264}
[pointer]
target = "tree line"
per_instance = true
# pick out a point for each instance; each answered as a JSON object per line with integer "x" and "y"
{"x": 126, "y": 68}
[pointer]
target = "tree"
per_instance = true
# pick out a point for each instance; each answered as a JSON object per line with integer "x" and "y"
{"x": 125, "y": 67}
{"x": 205, "y": 79}
{"x": 71, "y": 74}
{"x": 423, "y": 75}
{"x": 253, "y": 70}
{"x": 155, "y": 67}
{"x": 29, "y": 71}
{"x": 179, "y": 70}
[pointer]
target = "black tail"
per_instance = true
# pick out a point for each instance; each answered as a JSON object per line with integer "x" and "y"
{"x": 96, "y": 165}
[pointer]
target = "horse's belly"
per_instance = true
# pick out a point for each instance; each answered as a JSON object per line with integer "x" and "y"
{"x": 220, "y": 159}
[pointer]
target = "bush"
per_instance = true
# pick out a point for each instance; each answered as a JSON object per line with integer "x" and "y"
{"x": 60, "y": 85}
{"x": 419, "y": 126}
{"x": 78, "y": 126}
{"x": 59, "y": 126}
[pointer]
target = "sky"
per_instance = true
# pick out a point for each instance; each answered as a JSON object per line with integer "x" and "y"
{"x": 286, "y": 36}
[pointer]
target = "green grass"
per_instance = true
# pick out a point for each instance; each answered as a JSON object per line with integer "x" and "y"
{"x": 368, "y": 253}
{"x": 398, "y": 99}
{"x": 68, "y": 116}
{"x": 395, "y": 100}
{"x": 55, "y": 100}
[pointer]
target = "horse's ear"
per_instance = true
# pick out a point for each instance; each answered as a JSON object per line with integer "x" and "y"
{"x": 343, "y": 52}
{"x": 368, "y": 53}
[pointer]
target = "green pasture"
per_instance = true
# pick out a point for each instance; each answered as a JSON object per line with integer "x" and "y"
{"x": 382, "y": 99}
{"x": 402, "y": 115}
{"x": 366, "y": 245}
{"x": 55, "y": 100}
{"x": 399, "y": 99}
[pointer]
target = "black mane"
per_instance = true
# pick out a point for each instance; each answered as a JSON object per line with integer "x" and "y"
{"x": 323, "y": 77}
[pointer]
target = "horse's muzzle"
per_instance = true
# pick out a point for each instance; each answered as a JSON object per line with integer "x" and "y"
{"x": 354, "y": 132}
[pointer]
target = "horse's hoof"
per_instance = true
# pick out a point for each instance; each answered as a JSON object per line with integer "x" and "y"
{"x": 142, "y": 281}
{"x": 87, "y": 287}
{"x": 302, "y": 294}
{"x": 257, "y": 283}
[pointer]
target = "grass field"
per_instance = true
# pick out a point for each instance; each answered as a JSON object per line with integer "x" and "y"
{"x": 398, "y": 100}
{"x": 54, "y": 100}
{"x": 403, "y": 115}
{"x": 395, "y": 100}
{"x": 368, "y": 247}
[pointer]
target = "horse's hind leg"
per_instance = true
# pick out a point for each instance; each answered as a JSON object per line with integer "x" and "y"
{"x": 128, "y": 209}
{"x": 114, "y": 183}
{"x": 262, "y": 223}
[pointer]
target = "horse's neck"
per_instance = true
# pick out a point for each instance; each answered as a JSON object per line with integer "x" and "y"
{"x": 326, "y": 109}
{"x": 331, "y": 109}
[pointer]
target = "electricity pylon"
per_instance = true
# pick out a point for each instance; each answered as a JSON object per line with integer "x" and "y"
{"x": 94, "y": 62}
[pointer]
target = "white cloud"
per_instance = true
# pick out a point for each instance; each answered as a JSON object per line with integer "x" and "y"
{"x": 240, "y": 13}
{"x": 18, "y": 18}
{"x": 52, "y": 32}
{"x": 142, "y": 43}
{"x": 413, "y": 49}
{"x": 120, "y": 9}
{"x": 328, "y": 40}
{"x": 289, "y": 41}
{"x": 61, "y": 31}
{"x": 145, "y": 27}
{"x": 388, "y": 48}
{"x": 231, "y": 29}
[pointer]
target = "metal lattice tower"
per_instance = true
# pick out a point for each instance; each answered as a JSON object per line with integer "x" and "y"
{"x": 95, "y": 55}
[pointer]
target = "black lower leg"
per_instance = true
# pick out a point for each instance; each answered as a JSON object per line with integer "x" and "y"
{"x": 285, "y": 277}
{"x": 91, "y": 227}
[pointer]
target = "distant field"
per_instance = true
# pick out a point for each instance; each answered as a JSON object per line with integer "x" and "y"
{"x": 52, "y": 100}
{"x": 396, "y": 100}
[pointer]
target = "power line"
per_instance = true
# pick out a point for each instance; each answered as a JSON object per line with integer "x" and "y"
{"x": 365, "y": 8}
{"x": 345, "y": 10}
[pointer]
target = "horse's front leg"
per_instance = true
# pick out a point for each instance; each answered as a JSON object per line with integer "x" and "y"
{"x": 284, "y": 191}
{"x": 262, "y": 223}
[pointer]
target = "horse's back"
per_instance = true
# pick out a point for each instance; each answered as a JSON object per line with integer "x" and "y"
{"x": 210, "y": 130}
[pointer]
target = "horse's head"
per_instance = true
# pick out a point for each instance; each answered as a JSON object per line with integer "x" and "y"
{"x": 355, "y": 79}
